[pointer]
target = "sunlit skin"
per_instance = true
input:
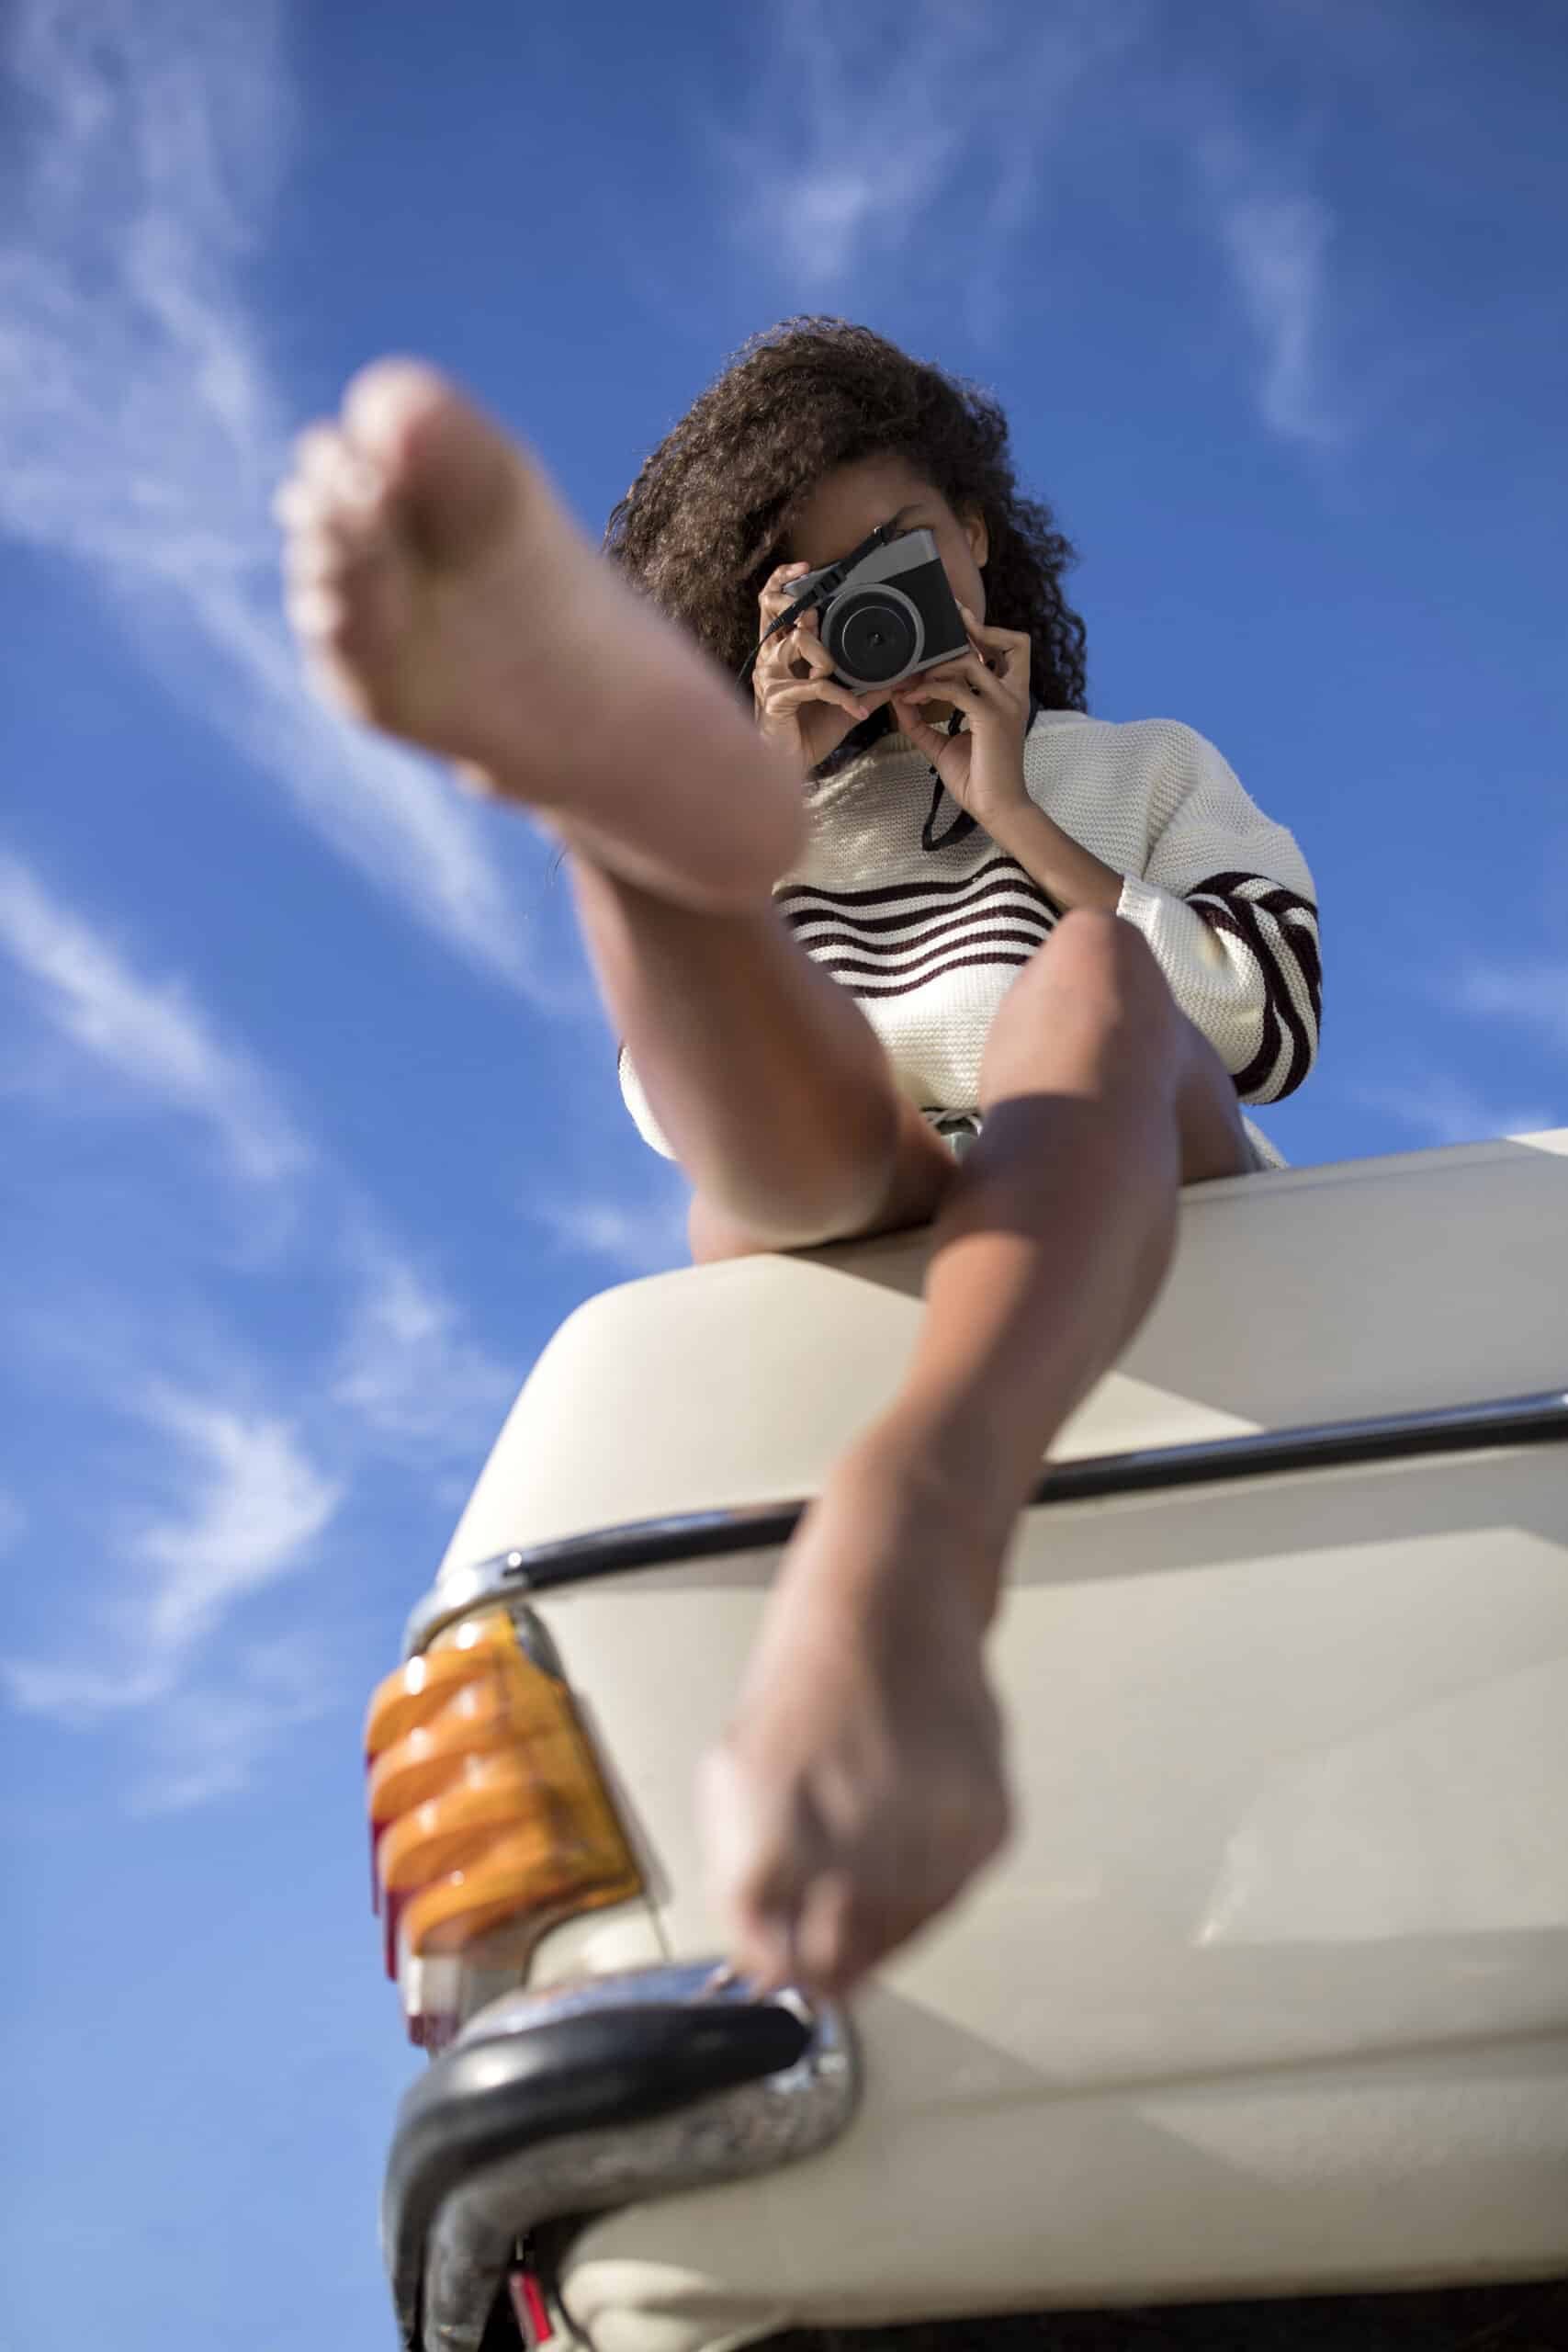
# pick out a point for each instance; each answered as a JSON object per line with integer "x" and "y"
{"x": 441, "y": 592}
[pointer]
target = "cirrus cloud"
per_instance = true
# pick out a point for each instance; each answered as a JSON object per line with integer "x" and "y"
{"x": 144, "y": 427}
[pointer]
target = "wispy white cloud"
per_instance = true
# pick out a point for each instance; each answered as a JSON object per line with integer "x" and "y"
{"x": 151, "y": 1033}
{"x": 247, "y": 1505}
{"x": 255, "y": 1504}
{"x": 243, "y": 1498}
{"x": 406, "y": 1367}
{"x": 978, "y": 101}
{"x": 1275, "y": 231}
{"x": 874, "y": 138}
{"x": 1533, "y": 996}
{"x": 202, "y": 1738}
{"x": 144, "y": 429}
{"x": 207, "y": 1743}
{"x": 1278, "y": 247}
{"x": 1444, "y": 1109}
{"x": 635, "y": 1236}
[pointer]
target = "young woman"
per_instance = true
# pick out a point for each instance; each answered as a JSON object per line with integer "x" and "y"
{"x": 1011, "y": 978}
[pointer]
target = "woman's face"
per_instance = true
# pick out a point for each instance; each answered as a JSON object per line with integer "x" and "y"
{"x": 848, "y": 505}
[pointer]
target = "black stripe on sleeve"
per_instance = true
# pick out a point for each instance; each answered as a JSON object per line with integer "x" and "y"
{"x": 1272, "y": 923}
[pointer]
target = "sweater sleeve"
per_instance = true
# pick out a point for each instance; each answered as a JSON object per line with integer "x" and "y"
{"x": 1228, "y": 906}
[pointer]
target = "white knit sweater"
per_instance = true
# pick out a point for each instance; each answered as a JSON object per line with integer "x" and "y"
{"x": 929, "y": 940}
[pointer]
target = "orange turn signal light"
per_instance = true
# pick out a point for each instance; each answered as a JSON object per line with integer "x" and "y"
{"x": 488, "y": 1808}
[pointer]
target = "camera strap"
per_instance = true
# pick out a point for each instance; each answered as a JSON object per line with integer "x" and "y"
{"x": 963, "y": 824}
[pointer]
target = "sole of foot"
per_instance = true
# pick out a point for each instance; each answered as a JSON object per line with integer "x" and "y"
{"x": 442, "y": 594}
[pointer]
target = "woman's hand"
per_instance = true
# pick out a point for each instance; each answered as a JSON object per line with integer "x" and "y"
{"x": 799, "y": 704}
{"x": 983, "y": 769}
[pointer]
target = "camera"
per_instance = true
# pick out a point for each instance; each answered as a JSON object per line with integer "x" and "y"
{"x": 891, "y": 615}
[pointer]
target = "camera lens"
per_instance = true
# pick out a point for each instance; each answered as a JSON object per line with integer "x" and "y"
{"x": 873, "y": 636}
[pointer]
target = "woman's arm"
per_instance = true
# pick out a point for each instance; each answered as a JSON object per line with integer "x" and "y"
{"x": 1224, "y": 900}
{"x": 1240, "y": 951}
{"x": 1069, "y": 874}
{"x": 1228, "y": 905}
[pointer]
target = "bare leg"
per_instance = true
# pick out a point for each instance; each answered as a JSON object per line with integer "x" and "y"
{"x": 442, "y": 593}
{"x": 768, "y": 1081}
{"x": 862, "y": 1783}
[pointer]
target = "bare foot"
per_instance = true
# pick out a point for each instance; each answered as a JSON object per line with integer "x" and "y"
{"x": 861, "y": 1786}
{"x": 442, "y": 593}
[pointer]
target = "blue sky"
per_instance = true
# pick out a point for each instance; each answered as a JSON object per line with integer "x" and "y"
{"x": 312, "y": 1129}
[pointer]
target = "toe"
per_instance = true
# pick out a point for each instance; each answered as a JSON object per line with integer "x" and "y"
{"x": 852, "y": 1919}
{"x": 455, "y": 471}
{"x": 293, "y": 507}
{"x": 759, "y": 1862}
{"x": 299, "y": 502}
{"x": 832, "y": 1941}
{"x": 335, "y": 517}
{"x": 311, "y": 556}
{"x": 388, "y": 410}
{"x": 316, "y": 610}
{"x": 329, "y": 480}
{"x": 384, "y": 399}
{"x": 324, "y": 547}
{"x": 313, "y": 446}
{"x": 318, "y": 463}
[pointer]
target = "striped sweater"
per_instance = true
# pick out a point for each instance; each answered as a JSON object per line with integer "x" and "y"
{"x": 928, "y": 940}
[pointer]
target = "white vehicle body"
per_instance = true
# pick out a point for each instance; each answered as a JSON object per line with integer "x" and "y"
{"x": 1270, "y": 1996}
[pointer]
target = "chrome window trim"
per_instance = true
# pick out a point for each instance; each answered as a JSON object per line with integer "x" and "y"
{"x": 1490, "y": 1424}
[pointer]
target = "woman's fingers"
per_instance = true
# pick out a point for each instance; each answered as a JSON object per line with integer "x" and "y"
{"x": 780, "y": 654}
{"x": 972, "y": 676}
{"x": 1015, "y": 647}
{"x": 809, "y": 648}
{"x": 919, "y": 730}
{"x": 780, "y": 576}
{"x": 792, "y": 696}
{"x": 951, "y": 685}
{"x": 785, "y": 689}
{"x": 776, "y": 595}
{"x": 971, "y": 667}
{"x": 1001, "y": 638}
{"x": 805, "y": 640}
{"x": 781, "y": 661}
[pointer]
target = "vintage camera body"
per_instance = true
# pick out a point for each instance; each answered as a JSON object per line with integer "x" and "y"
{"x": 893, "y": 614}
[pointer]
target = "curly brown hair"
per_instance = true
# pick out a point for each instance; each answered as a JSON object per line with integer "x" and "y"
{"x": 701, "y": 528}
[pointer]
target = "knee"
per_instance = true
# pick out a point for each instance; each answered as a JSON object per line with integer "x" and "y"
{"x": 712, "y": 1236}
{"x": 1094, "y": 991}
{"x": 1110, "y": 964}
